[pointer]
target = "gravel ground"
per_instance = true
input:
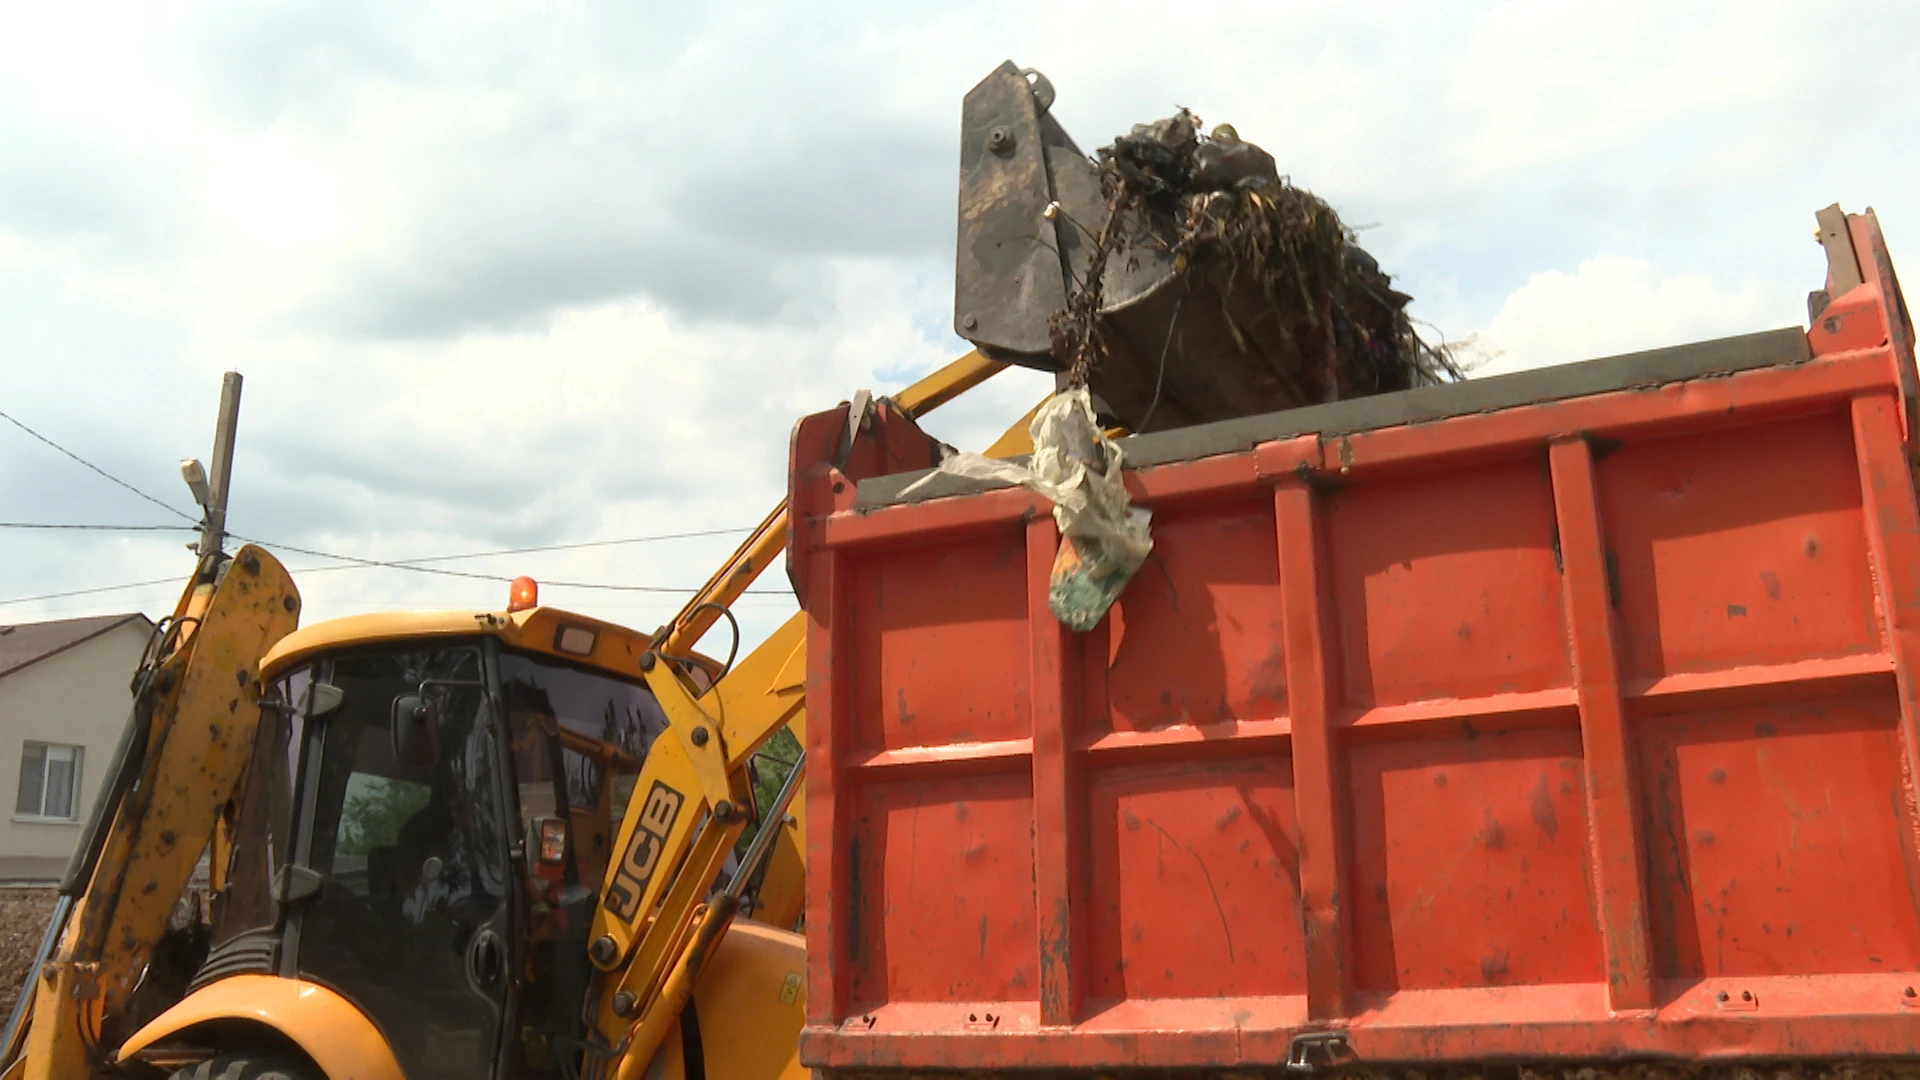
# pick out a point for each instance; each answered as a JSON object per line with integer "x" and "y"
{"x": 23, "y": 920}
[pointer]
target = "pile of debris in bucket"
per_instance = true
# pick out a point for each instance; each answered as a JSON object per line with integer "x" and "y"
{"x": 1178, "y": 276}
{"x": 1260, "y": 269}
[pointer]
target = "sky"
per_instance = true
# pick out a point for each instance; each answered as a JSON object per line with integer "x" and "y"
{"x": 504, "y": 275}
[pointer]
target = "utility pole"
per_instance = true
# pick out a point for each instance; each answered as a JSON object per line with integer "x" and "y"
{"x": 213, "y": 534}
{"x": 211, "y": 492}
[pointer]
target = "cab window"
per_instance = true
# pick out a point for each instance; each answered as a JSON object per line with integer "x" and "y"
{"x": 542, "y": 697}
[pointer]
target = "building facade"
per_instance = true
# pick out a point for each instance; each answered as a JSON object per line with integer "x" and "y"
{"x": 65, "y": 697}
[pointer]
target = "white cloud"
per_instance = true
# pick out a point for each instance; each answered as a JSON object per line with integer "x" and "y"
{"x": 1611, "y": 305}
{"x": 1550, "y": 82}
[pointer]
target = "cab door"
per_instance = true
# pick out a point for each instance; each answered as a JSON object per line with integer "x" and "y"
{"x": 403, "y": 904}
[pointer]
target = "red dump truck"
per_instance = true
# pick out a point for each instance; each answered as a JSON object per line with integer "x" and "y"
{"x": 1556, "y": 718}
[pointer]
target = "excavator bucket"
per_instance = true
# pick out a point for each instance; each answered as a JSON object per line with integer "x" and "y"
{"x": 1187, "y": 333}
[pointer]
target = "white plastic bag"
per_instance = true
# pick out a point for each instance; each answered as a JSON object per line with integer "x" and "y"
{"x": 1078, "y": 469}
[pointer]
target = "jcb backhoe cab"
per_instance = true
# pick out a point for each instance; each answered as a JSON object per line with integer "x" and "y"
{"x": 417, "y": 853}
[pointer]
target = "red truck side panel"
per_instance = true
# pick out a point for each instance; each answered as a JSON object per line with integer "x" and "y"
{"x": 1574, "y": 726}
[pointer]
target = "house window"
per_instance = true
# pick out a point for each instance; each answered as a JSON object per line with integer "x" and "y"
{"x": 49, "y": 782}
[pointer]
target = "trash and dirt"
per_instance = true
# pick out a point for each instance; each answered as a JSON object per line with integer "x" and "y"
{"x": 1268, "y": 302}
{"x": 23, "y": 923}
{"x": 1077, "y": 468}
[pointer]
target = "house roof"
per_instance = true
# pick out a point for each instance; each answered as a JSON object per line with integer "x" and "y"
{"x": 27, "y": 643}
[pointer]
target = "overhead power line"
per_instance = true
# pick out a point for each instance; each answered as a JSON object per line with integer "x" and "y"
{"x": 470, "y": 575}
{"x": 96, "y": 589}
{"x": 423, "y": 559}
{"x": 557, "y": 547}
{"x": 63, "y": 526}
{"x": 355, "y": 563}
{"x": 169, "y": 508}
{"x": 413, "y": 565}
{"x": 375, "y": 565}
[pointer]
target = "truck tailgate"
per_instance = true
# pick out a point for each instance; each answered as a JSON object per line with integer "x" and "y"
{"x": 1563, "y": 716}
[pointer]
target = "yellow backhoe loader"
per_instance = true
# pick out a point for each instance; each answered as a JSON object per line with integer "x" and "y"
{"x": 442, "y": 844}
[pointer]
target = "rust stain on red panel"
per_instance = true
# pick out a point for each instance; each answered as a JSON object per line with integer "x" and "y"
{"x": 1447, "y": 586}
{"x": 1470, "y": 865}
{"x": 917, "y": 681}
{"x": 1209, "y": 595}
{"x": 1775, "y": 841}
{"x": 1218, "y": 843}
{"x": 946, "y": 898}
{"x": 1738, "y": 547}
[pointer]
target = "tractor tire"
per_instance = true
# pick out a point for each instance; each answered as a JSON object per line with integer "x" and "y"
{"x": 251, "y": 1067}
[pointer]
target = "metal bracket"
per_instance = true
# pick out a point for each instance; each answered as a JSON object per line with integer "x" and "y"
{"x": 1300, "y": 1052}
{"x": 697, "y": 731}
{"x": 1042, "y": 89}
{"x": 295, "y": 884}
{"x": 859, "y": 419}
{"x": 1843, "y": 263}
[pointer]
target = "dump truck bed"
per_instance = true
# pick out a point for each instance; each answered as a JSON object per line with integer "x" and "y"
{"x": 1559, "y": 717}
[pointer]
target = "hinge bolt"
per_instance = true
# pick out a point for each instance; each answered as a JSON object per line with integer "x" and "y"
{"x": 603, "y": 950}
{"x": 623, "y": 1004}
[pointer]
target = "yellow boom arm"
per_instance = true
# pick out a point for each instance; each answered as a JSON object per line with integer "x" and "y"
{"x": 160, "y": 806}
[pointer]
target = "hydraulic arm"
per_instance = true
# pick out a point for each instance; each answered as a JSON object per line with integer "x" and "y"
{"x": 196, "y": 705}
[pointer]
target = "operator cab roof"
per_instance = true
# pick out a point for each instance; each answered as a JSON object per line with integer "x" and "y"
{"x": 562, "y": 635}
